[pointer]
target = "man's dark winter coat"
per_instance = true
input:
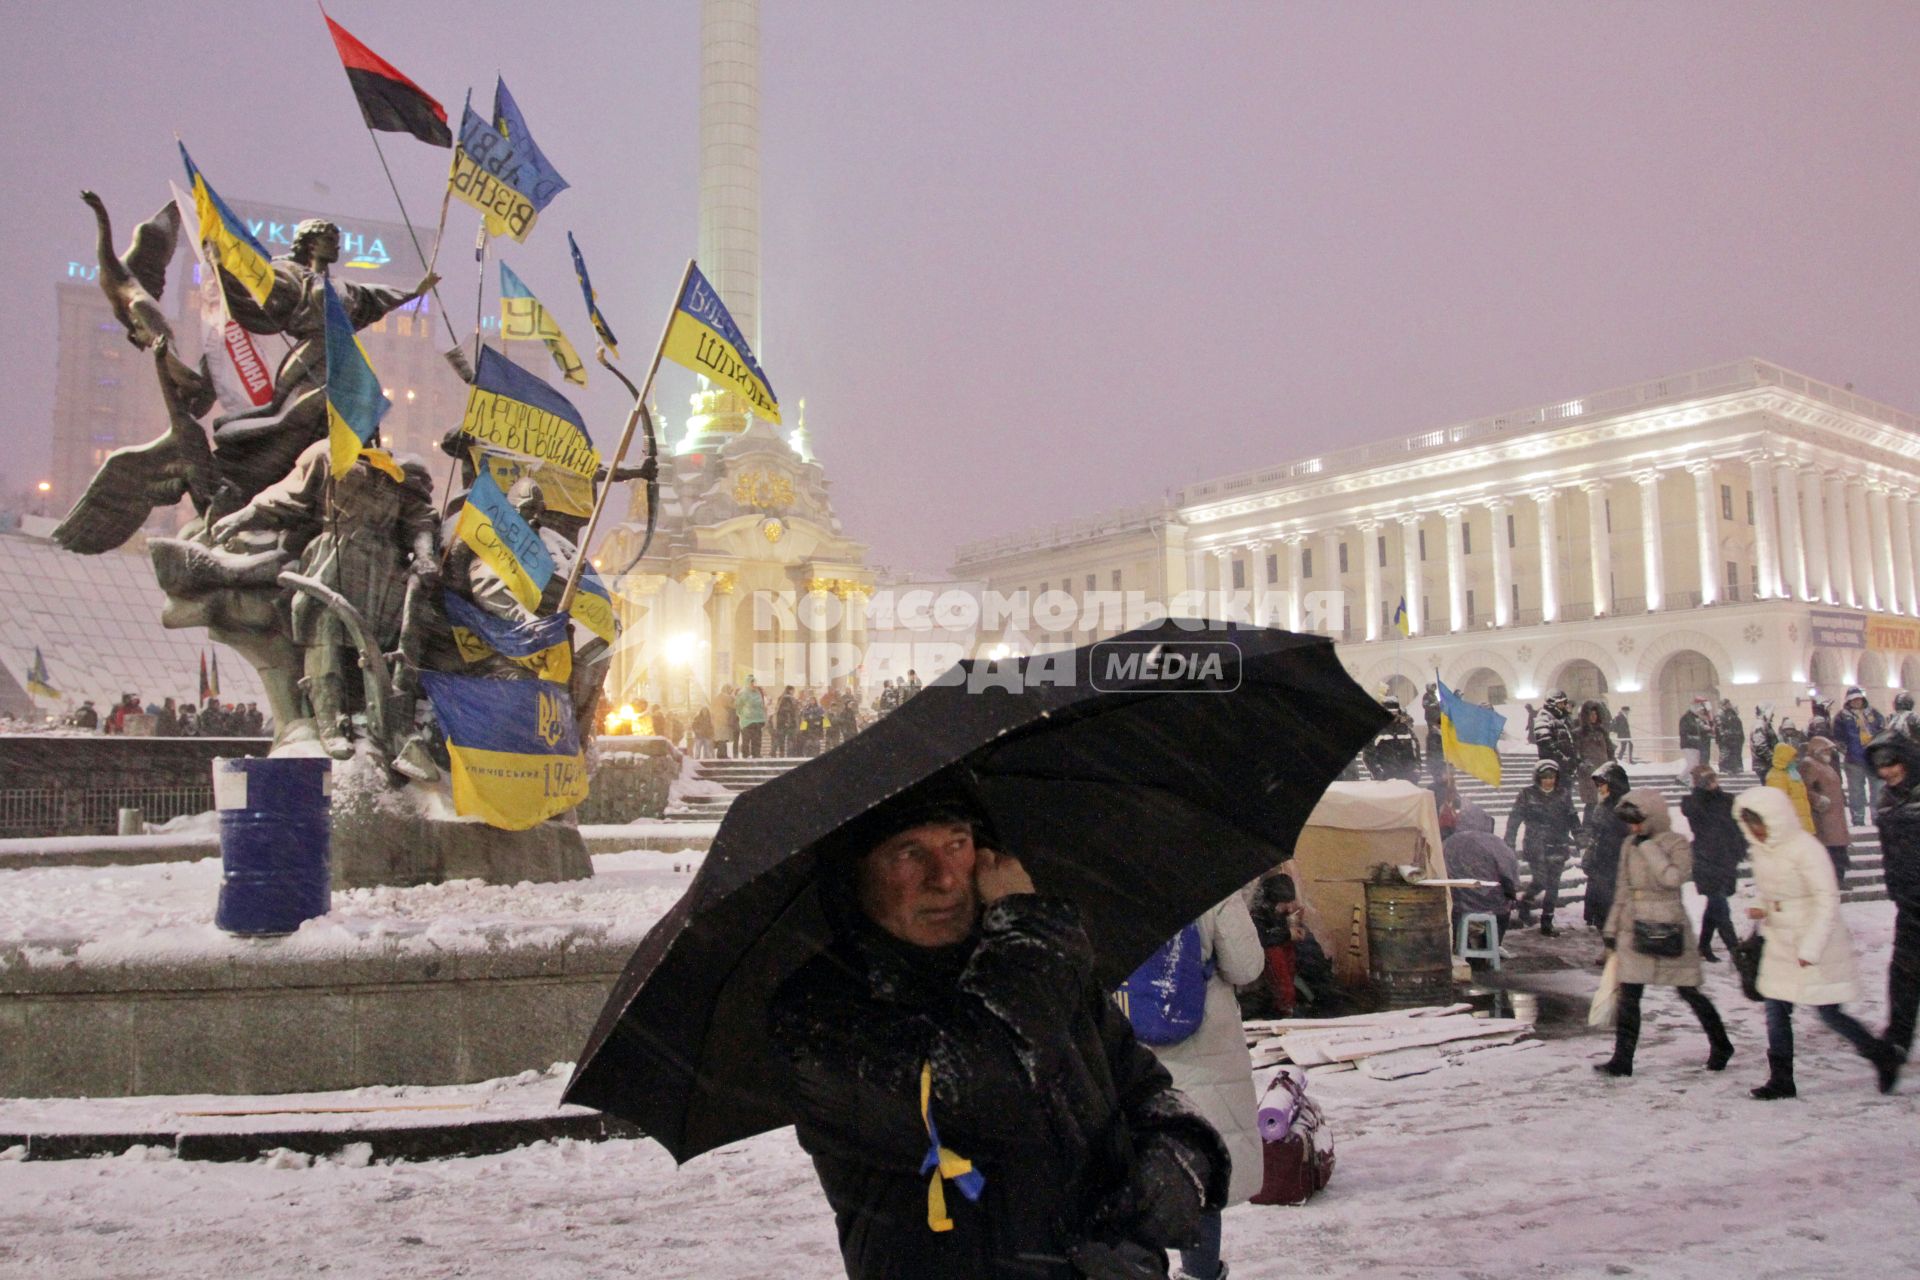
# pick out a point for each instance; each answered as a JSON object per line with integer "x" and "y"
{"x": 1604, "y": 834}
{"x": 1037, "y": 1079}
{"x": 1718, "y": 843}
{"x": 1548, "y": 819}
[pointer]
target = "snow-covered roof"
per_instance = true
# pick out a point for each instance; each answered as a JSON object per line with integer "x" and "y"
{"x": 97, "y": 621}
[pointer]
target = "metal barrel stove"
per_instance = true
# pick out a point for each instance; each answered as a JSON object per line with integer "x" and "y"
{"x": 1409, "y": 944}
{"x": 275, "y": 841}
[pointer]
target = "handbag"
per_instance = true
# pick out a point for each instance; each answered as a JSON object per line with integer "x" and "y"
{"x": 1661, "y": 941}
{"x": 1746, "y": 959}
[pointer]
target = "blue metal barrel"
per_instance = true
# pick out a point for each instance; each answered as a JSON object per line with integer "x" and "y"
{"x": 275, "y": 834}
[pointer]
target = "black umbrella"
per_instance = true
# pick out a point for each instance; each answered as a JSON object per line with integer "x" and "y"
{"x": 1145, "y": 777}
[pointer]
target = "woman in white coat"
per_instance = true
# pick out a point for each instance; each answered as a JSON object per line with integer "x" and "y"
{"x": 1808, "y": 958}
{"x": 1214, "y": 1070}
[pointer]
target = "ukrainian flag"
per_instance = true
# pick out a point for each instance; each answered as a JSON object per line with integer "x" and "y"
{"x": 355, "y": 402}
{"x": 523, "y": 319}
{"x": 1470, "y": 736}
{"x": 226, "y": 236}
{"x": 593, "y": 606}
{"x": 542, "y": 646}
{"x": 514, "y": 747}
{"x": 1401, "y": 622}
{"x": 39, "y": 683}
{"x": 703, "y": 337}
{"x": 504, "y": 541}
{"x": 600, "y": 326}
{"x": 514, "y": 410}
{"x": 565, "y": 492}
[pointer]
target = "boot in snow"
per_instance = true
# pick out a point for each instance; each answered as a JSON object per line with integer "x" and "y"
{"x": 1546, "y": 925}
{"x": 1779, "y": 1080}
{"x": 1887, "y": 1062}
{"x": 1706, "y": 951}
{"x": 1719, "y": 1046}
{"x": 1626, "y": 1039}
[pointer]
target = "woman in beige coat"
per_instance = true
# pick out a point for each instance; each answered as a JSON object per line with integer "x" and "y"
{"x": 1655, "y": 861}
{"x": 1827, "y": 797}
{"x": 1214, "y": 1070}
{"x": 1809, "y": 956}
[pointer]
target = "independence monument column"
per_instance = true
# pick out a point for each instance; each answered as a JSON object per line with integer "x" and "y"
{"x": 730, "y": 186}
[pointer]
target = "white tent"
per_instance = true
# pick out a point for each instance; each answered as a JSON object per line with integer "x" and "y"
{"x": 1356, "y": 826}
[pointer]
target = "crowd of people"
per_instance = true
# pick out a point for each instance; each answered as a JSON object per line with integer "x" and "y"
{"x": 743, "y": 723}
{"x": 171, "y": 718}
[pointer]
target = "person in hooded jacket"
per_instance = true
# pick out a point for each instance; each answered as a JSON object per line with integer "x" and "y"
{"x": 1784, "y": 777}
{"x": 1857, "y": 725}
{"x": 955, "y": 998}
{"x": 1808, "y": 958}
{"x": 1731, "y": 735}
{"x": 1718, "y": 848}
{"x": 1544, "y": 811}
{"x": 1827, "y": 798}
{"x": 1394, "y": 752}
{"x": 1819, "y": 720}
{"x": 1654, "y": 864}
{"x": 1896, "y": 760}
{"x": 1213, "y": 1070}
{"x": 1904, "y": 718}
{"x": 1603, "y": 835}
{"x": 1696, "y": 733}
{"x": 1473, "y": 852}
{"x": 1762, "y": 739}
{"x": 1592, "y": 745}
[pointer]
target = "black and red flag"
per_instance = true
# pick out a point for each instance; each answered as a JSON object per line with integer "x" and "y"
{"x": 388, "y": 100}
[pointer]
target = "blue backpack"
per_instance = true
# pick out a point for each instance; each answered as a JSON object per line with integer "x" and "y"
{"x": 1166, "y": 998}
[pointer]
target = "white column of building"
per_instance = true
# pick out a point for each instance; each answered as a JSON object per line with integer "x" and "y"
{"x": 1864, "y": 594}
{"x": 1792, "y": 547}
{"x": 1370, "y": 574}
{"x": 1502, "y": 565}
{"x": 1765, "y": 536}
{"x": 1654, "y": 560}
{"x": 1257, "y": 575}
{"x": 1543, "y": 499}
{"x": 815, "y": 619}
{"x": 1913, "y": 523}
{"x": 1330, "y": 575}
{"x": 1706, "y": 521}
{"x": 1600, "y": 543}
{"x": 1882, "y": 534}
{"x": 1456, "y": 572}
{"x": 1813, "y": 531}
{"x": 1839, "y": 539}
{"x": 1197, "y": 581}
{"x": 1410, "y": 570}
{"x": 1223, "y": 564}
{"x": 1294, "y": 541}
{"x": 1902, "y": 531}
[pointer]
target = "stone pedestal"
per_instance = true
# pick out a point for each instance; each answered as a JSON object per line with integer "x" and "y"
{"x": 409, "y": 836}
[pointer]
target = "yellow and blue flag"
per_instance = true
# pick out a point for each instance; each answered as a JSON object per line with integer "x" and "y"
{"x": 942, "y": 1162}
{"x": 1470, "y": 735}
{"x": 593, "y": 606}
{"x": 703, "y": 337}
{"x": 535, "y": 177}
{"x": 504, "y": 541}
{"x": 514, "y": 410}
{"x": 541, "y": 645}
{"x": 523, "y": 319}
{"x": 226, "y": 236}
{"x": 355, "y": 402}
{"x": 485, "y": 168}
{"x": 564, "y": 491}
{"x": 600, "y": 326}
{"x": 39, "y": 683}
{"x": 1401, "y": 622}
{"x": 514, "y": 747}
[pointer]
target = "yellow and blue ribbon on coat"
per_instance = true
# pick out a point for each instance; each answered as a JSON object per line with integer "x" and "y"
{"x": 945, "y": 1165}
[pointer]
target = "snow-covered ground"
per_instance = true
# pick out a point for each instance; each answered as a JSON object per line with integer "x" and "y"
{"x": 1504, "y": 1165}
{"x": 163, "y": 912}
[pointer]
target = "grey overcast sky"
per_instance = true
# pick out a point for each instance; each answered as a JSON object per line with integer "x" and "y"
{"x": 1026, "y": 261}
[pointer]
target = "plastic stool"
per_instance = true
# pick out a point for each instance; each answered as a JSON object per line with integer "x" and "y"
{"x": 1491, "y": 951}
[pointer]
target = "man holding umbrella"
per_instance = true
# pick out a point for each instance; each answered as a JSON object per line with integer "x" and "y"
{"x": 957, "y": 1001}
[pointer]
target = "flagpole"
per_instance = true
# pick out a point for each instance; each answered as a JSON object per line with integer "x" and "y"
{"x": 480, "y": 293}
{"x": 626, "y": 439}
{"x": 411, "y": 234}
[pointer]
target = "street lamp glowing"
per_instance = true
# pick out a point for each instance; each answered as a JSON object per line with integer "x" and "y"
{"x": 45, "y": 486}
{"x": 681, "y": 648}
{"x": 998, "y": 652}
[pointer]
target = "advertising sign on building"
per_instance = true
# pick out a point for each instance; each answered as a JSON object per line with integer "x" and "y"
{"x": 1833, "y": 629}
{"x": 1892, "y": 635}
